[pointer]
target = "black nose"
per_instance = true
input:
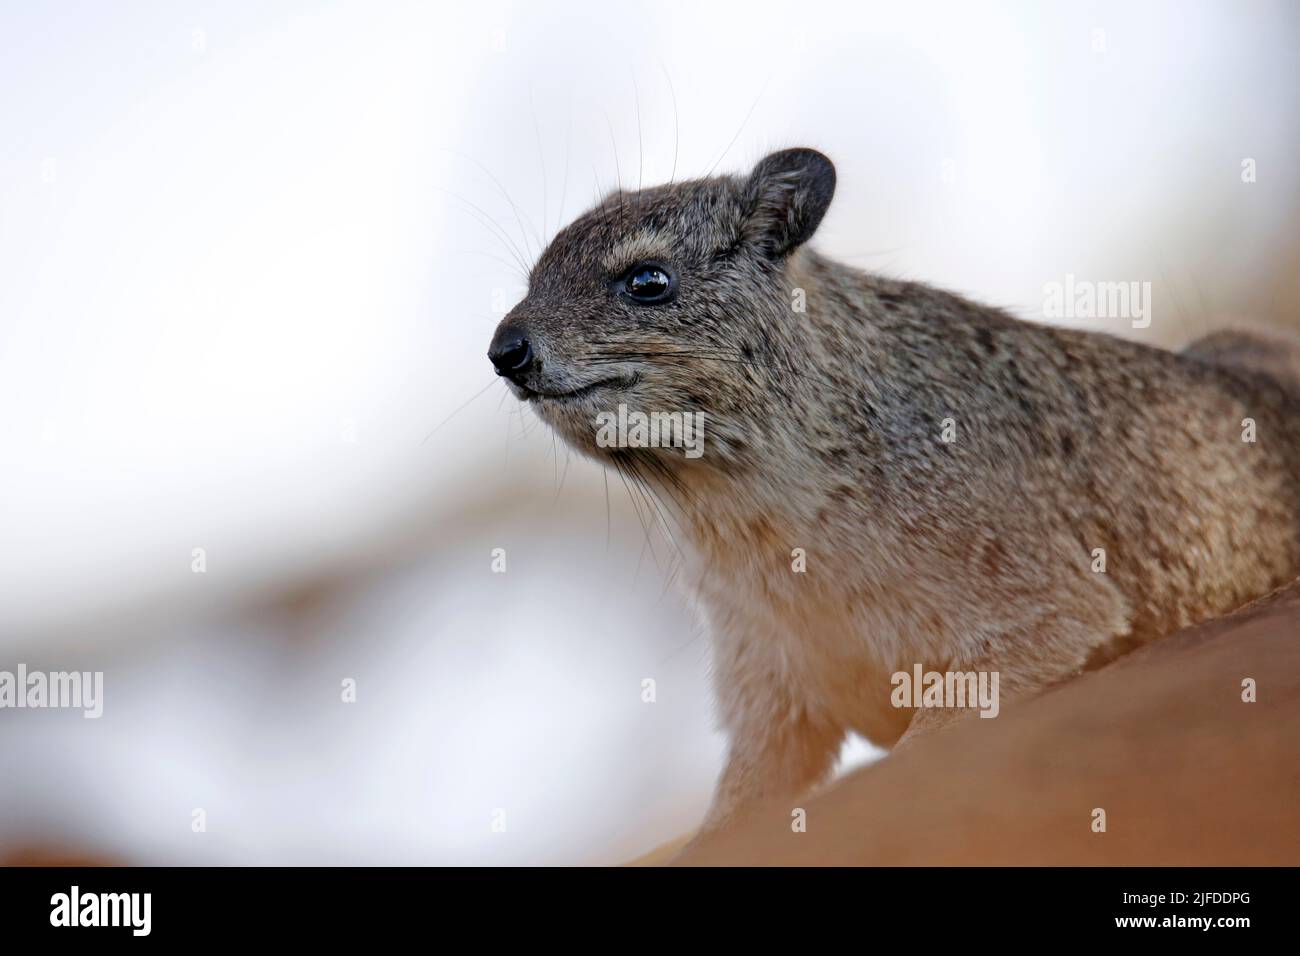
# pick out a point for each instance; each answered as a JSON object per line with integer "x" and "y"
{"x": 510, "y": 353}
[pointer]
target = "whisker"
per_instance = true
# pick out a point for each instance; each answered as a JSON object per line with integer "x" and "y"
{"x": 511, "y": 246}
{"x": 676, "y": 121}
{"x": 618, "y": 173}
{"x": 640, "y": 152}
{"x": 568, "y": 150}
{"x": 605, "y": 473}
{"x": 563, "y": 475}
{"x": 541, "y": 160}
{"x": 743, "y": 124}
{"x": 519, "y": 216}
{"x": 514, "y": 268}
{"x": 645, "y": 528}
{"x": 654, "y": 503}
{"x": 460, "y": 409}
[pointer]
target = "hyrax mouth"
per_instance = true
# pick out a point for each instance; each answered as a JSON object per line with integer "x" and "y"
{"x": 529, "y": 394}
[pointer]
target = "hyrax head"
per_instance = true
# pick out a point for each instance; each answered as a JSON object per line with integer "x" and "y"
{"x": 663, "y": 300}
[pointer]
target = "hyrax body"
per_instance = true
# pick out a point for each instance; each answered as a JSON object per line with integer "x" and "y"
{"x": 956, "y": 478}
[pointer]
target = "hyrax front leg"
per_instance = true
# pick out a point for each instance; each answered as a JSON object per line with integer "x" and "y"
{"x": 771, "y": 757}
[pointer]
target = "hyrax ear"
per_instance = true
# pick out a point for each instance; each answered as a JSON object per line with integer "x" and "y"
{"x": 788, "y": 193}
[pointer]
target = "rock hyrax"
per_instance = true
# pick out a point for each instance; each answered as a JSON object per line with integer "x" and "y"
{"x": 891, "y": 474}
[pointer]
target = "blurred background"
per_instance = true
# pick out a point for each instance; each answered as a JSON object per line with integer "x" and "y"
{"x": 252, "y": 450}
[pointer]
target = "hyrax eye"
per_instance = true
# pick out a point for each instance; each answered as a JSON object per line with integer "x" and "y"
{"x": 648, "y": 284}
